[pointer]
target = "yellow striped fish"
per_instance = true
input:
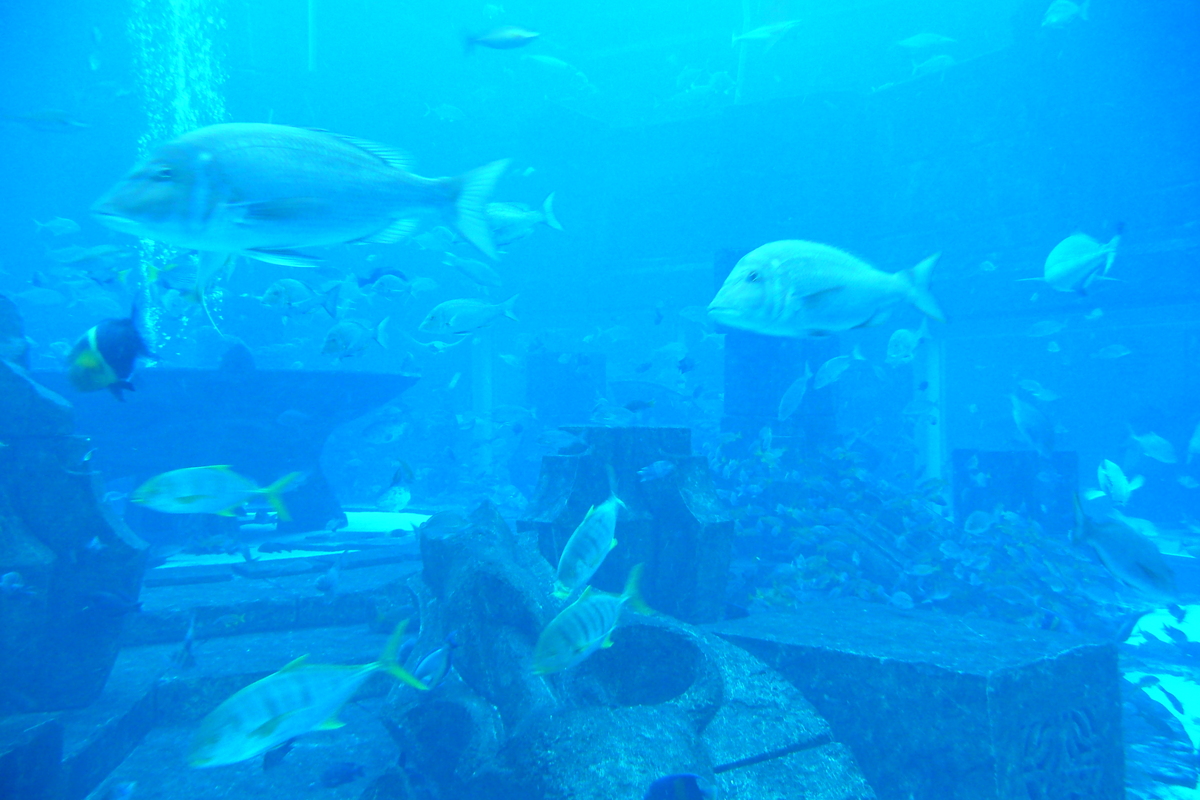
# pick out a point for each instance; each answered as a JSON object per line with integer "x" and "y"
{"x": 588, "y": 546}
{"x": 585, "y": 626}
{"x": 297, "y": 699}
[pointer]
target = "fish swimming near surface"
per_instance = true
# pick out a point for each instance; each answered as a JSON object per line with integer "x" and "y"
{"x": 434, "y": 667}
{"x": 1154, "y": 446}
{"x": 924, "y": 41}
{"x": 1114, "y": 484}
{"x": 1132, "y": 558}
{"x": 656, "y": 471}
{"x": 477, "y": 271}
{"x": 1112, "y": 351}
{"x": 797, "y": 288}
{"x": 794, "y": 396}
{"x": 59, "y": 226}
{"x": 297, "y": 699}
{"x": 105, "y": 356}
{"x": 466, "y": 315}
{"x": 209, "y": 490}
{"x": 585, "y": 626}
{"x": 589, "y": 545}
{"x": 269, "y": 191}
{"x": 1078, "y": 261}
{"x": 834, "y": 368}
{"x": 1061, "y": 13}
{"x": 1193, "y": 444}
{"x": 1035, "y": 427}
{"x": 512, "y": 221}
{"x": 684, "y": 786}
{"x": 296, "y": 297}
{"x": 350, "y": 338}
{"x": 507, "y": 37}
{"x": 771, "y": 33}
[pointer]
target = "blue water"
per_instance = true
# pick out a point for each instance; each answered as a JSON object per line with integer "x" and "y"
{"x": 671, "y": 153}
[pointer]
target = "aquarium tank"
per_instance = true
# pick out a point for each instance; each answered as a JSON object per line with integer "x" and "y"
{"x": 530, "y": 400}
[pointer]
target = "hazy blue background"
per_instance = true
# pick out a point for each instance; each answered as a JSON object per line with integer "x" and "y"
{"x": 1031, "y": 135}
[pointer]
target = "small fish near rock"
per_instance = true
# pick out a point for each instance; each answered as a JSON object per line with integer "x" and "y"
{"x": 507, "y": 37}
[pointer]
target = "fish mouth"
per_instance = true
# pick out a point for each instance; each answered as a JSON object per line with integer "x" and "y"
{"x": 112, "y": 219}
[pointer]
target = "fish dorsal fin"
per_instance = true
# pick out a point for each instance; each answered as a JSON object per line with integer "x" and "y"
{"x": 270, "y": 726}
{"x": 224, "y": 467}
{"x": 398, "y": 230}
{"x": 295, "y": 663}
{"x": 389, "y": 155}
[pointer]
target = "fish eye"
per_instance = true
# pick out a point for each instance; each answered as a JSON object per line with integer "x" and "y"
{"x": 752, "y": 277}
{"x": 162, "y": 173}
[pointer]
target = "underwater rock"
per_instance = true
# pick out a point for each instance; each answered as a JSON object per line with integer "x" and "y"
{"x": 72, "y": 570}
{"x": 665, "y": 697}
{"x": 675, "y": 525}
{"x": 14, "y": 346}
{"x": 935, "y": 706}
{"x": 31, "y": 750}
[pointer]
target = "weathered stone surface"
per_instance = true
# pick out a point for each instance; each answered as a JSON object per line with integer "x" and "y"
{"x": 674, "y": 525}
{"x": 77, "y": 562}
{"x": 936, "y": 706}
{"x": 31, "y": 748}
{"x": 664, "y": 698}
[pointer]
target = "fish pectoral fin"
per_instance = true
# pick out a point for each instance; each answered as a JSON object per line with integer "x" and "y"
{"x": 277, "y": 210}
{"x": 815, "y": 299}
{"x": 270, "y": 726}
{"x": 607, "y": 643}
{"x": 331, "y": 724}
{"x": 614, "y": 544}
{"x": 282, "y": 257}
{"x": 1093, "y": 494}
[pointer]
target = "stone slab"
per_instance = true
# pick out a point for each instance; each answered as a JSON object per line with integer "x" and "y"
{"x": 936, "y": 707}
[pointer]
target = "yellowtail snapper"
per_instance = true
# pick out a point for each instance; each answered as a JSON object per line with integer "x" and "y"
{"x": 209, "y": 490}
{"x": 297, "y": 699}
{"x": 585, "y": 626}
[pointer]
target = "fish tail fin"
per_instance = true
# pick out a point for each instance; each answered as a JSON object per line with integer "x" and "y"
{"x": 632, "y": 594}
{"x": 329, "y": 301}
{"x": 1076, "y": 534}
{"x": 612, "y": 484}
{"x": 381, "y": 335}
{"x": 918, "y": 289}
{"x": 470, "y": 193}
{"x": 1112, "y": 245}
{"x": 507, "y": 307}
{"x": 388, "y": 662}
{"x": 276, "y": 489}
{"x": 1137, "y": 483}
{"x": 548, "y": 212}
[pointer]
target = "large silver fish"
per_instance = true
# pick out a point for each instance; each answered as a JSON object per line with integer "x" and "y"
{"x": 266, "y": 191}
{"x": 798, "y": 288}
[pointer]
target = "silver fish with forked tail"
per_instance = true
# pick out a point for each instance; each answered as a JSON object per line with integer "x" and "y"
{"x": 267, "y": 191}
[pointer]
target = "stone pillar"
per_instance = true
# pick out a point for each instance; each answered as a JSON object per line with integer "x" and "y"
{"x": 674, "y": 525}
{"x": 78, "y": 569}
